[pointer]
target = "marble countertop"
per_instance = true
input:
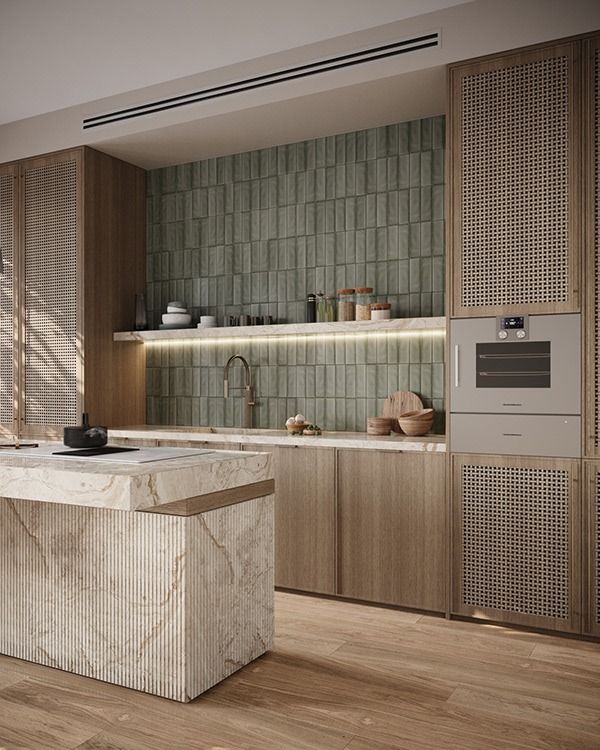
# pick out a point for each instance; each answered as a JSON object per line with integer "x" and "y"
{"x": 126, "y": 486}
{"x": 430, "y": 443}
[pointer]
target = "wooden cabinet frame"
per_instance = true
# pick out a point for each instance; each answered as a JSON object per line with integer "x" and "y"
{"x": 458, "y": 607}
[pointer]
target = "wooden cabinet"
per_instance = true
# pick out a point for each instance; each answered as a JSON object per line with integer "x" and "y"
{"x": 392, "y": 528}
{"x": 72, "y": 231}
{"x": 516, "y": 550}
{"x": 514, "y": 164}
{"x": 305, "y": 517}
{"x": 591, "y": 556}
{"x": 206, "y": 444}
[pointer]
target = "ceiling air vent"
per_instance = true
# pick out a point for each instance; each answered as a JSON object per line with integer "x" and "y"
{"x": 269, "y": 79}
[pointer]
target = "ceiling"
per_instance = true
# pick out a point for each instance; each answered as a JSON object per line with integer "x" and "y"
{"x": 82, "y": 50}
{"x": 85, "y": 58}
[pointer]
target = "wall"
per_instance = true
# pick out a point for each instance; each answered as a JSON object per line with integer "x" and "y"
{"x": 256, "y": 232}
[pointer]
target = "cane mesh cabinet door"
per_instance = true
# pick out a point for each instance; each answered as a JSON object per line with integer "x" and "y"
{"x": 8, "y": 232}
{"x": 516, "y": 546}
{"x": 592, "y": 243}
{"x": 514, "y": 141}
{"x": 592, "y": 550}
{"x": 51, "y": 373}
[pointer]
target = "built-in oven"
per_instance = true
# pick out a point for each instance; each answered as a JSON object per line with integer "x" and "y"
{"x": 516, "y": 385}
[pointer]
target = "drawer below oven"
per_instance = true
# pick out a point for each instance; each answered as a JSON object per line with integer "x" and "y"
{"x": 516, "y": 434}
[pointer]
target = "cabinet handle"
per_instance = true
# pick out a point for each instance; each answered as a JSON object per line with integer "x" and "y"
{"x": 456, "y": 370}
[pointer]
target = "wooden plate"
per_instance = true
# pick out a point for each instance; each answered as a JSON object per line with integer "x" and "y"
{"x": 399, "y": 403}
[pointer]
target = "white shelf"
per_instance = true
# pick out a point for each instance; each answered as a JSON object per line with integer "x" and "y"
{"x": 397, "y": 325}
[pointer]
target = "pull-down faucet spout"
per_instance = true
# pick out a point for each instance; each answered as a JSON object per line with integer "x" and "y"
{"x": 248, "y": 390}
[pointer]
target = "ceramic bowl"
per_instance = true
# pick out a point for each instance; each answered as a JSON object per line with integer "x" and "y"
{"x": 177, "y": 319}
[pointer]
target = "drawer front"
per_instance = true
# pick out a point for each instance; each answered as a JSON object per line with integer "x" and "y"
{"x": 516, "y": 435}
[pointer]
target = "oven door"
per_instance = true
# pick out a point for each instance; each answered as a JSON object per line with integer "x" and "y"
{"x": 540, "y": 375}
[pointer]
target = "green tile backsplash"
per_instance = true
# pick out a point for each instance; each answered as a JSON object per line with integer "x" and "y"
{"x": 256, "y": 232}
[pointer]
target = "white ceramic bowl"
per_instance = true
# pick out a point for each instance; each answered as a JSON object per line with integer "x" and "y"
{"x": 207, "y": 321}
{"x": 177, "y": 319}
{"x": 171, "y": 309}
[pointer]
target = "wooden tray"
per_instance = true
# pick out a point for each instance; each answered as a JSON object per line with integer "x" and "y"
{"x": 399, "y": 403}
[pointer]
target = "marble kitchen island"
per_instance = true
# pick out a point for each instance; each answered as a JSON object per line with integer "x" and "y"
{"x": 156, "y": 576}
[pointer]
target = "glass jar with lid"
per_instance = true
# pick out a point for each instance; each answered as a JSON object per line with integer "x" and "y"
{"x": 364, "y": 300}
{"x": 381, "y": 311}
{"x": 345, "y": 306}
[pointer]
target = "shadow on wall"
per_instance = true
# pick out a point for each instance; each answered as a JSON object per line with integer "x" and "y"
{"x": 255, "y": 232}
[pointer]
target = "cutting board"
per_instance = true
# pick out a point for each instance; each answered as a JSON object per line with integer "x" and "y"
{"x": 398, "y": 403}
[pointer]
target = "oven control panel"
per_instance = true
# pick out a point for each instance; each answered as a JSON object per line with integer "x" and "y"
{"x": 512, "y": 327}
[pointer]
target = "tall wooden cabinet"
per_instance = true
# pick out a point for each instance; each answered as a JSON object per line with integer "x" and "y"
{"x": 72, "y": 235}
{"x": 517, "y": 540}
{"x": 515, "y": 194}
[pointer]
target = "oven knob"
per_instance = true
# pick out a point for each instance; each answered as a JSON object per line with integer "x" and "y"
{"x": 520, "y": 334}
{"x": 502, "y": 334}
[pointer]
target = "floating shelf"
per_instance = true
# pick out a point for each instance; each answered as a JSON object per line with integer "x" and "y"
{"x": 396, "y": 325}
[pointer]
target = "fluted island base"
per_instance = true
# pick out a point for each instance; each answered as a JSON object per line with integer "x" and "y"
{"x": 166, "y": 604}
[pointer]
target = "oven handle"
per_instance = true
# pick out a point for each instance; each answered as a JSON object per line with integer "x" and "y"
{"x": 533, "y": 355}
{"x": 456, "y": 370}
{"x": 512, "y": 373}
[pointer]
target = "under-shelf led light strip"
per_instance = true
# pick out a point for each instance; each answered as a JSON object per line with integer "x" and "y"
{"x": 289, "y": 337}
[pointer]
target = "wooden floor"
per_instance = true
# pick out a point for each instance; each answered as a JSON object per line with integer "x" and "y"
{"x": 340, "y": 676}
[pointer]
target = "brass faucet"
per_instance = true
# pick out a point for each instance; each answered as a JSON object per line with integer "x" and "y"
{"x": 248, "y": 390}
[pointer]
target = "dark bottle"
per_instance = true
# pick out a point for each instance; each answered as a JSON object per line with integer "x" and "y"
{"x": 311, "y": 308}
{"x": 141, "y": 316}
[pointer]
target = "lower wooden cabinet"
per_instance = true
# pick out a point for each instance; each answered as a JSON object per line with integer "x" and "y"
{"x": 204, "y": 444}
{"x": 591, "y": 555}
{"x": 392, "y": 546}
{"x": 517, "y": 541}
{"x": 305, "y": 517}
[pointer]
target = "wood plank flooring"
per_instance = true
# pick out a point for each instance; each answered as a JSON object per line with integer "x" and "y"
{"x": 342, "y": 676}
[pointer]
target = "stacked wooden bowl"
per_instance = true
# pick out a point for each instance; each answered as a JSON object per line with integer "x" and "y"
{"x": 417, "y": 422}
{"x": 379, "y": 425}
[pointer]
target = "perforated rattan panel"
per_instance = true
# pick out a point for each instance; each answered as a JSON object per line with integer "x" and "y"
{"x": 596, "y": 243}
{"x": 516, "y": 539}
{"x": 595, "y": 541}
{"x": 51, "y": 197}
{"x": 514, "y": 157}
{"x": 7, "y": 239}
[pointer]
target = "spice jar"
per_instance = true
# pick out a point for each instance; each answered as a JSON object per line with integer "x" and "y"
{"x": 364, "y": 300}
{"x": 345, "y": 304}
{"x": 381, "y": 311}
{"x": 329, "y": 308}
{"x": 321, "y": 309}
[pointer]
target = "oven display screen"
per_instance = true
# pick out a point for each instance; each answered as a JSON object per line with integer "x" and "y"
{"x": 514, "y": 323}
